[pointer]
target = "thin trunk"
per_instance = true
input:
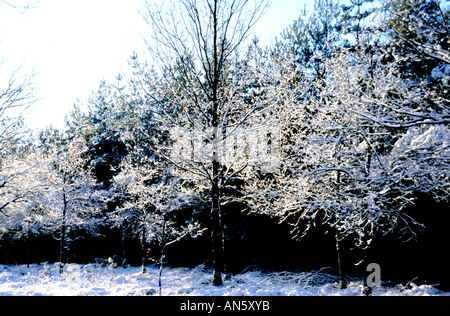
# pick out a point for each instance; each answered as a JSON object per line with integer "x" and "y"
{"x": 161, "y": 256}
{"x": 28, "y": 240}
{"x": 160, "y": 274}
{"x": 217, "y": 238}
{"x": 124, "y": 248}
{"x": 143, "y": 248}
{"x": 63, "y": 235}
{"x": 343, "y": 283}
{"x": 216, "y": 226}
{"x": 68, "y": 242}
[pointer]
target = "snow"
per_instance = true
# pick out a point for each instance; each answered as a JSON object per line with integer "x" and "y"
{"x": 100, "y": 280}
{"x": 424, "y": 137}
{"x": 442, "y": 71}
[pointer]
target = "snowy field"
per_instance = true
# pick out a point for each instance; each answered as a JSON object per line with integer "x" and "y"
{"x": 96, "y": 280}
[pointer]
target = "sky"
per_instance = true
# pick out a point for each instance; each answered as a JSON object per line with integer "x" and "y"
{"x": 71, "y": 45}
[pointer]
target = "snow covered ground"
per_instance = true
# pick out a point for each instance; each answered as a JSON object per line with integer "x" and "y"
{"x": 100, "y": 280}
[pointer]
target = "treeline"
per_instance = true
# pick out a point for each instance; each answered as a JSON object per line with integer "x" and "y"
{"x": 331, "y": 146}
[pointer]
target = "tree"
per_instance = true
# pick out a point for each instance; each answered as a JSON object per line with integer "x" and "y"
{"x": 71, "y": 195}
{"x": 46, "y": 191}
{"x": 151, "y": 200}
{"x": 300, "y": 81}
{"x": 351, "y": 154}
{"x": 17, "y": 203}
{"x": 356, "y": 19}
{"x": 195, "y": 44}
{"x": 102, "y": 128}
{"x": 419, "y": 32}
{"x": 149, "y": 196}
{"x": 16, "y": 95}
{"x": 310, "y": 41}
{"x": 324, "y": 36}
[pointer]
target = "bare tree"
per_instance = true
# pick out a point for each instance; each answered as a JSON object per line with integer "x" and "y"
{"x": 195, "y": 45}
{"x": 16, "y": 92}
{"x": 16, "y": 95}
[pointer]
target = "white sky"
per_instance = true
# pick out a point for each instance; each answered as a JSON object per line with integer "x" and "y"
{"x": 73, "y": 44}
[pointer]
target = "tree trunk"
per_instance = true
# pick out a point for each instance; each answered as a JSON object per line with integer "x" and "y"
{"x": 216, "y": 216}
{"x": 343, "y": 283}
{"x": 68, "y": 242}
{"x": 62, "y": 236}
{"x": 143, "y": 248}
{"x": 28, "y": 241}
{"x": 216, "y": 212}
{"x": 161, "y": 265}
{"x": 217, "y": 238}
{"x": 124, "y": 247}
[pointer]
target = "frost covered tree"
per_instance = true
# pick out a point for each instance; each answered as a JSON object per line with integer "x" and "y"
{"x": 299, "y": 79}
{"x": 419, "y": 31}
{"x": 419, "y": 55}
{"x": 16, "y": 95}
{"x": 199, "y": 91}
{"x": 17, "y": 191}
{"x": 151, "y": 199}
{"x": 24, "y": 214}
{"x": 144, "y": 197}
{"x": 46, "y": 192}
{"x": 71, "y": 198}
{"x": 361, "y": 149}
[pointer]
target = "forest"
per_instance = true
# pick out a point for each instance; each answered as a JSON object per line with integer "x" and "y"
{"x": 327, "y": 148}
